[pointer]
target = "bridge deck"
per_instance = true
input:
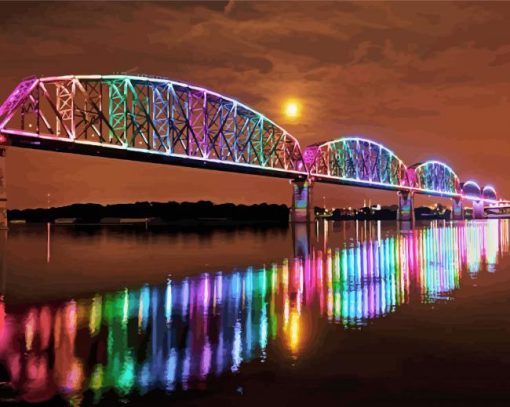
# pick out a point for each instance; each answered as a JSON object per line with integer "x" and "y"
{"x": 133, "y": 154}
{"x": 52, "y": 143}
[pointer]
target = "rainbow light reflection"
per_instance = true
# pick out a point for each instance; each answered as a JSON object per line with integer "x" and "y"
{"x": 176, "y": 335}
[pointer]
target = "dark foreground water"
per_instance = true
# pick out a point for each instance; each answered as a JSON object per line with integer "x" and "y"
{"x": 342, "y": 314}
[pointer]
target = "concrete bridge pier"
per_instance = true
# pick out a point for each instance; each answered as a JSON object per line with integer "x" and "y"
{"x": 302, "y": 209}
{"x": 478, "y": 210}
{"x": 405, "y": 211}
{"x": 457, "y": 209}
{"x": 3, "y": 191}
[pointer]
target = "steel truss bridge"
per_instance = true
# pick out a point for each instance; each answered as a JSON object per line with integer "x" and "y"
{"x": 158, "y": 120}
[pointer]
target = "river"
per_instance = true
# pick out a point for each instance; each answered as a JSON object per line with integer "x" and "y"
{"x": 335, "y": 312}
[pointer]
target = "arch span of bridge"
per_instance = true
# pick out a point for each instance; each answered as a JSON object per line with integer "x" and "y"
{"x": 158, "y": 120}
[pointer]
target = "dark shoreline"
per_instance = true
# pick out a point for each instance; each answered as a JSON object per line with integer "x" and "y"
{"x": 164, "y": 213}
{"x": 194, "y": 214}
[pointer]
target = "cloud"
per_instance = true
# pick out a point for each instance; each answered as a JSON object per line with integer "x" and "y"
{"x": 229, "y": 7}
{"x": 501, "y": 59}
{"x": 51, "y": 48}
{"x": 405, "y": 112}
{"x": 414, "y": 75}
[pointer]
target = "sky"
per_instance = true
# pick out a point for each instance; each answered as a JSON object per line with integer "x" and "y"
{"x": 427, "y": 79}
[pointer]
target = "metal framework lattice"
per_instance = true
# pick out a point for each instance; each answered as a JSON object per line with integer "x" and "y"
{"x": 126, "y": 115}
{"x": 489, "y": 192}
{"x": 435, "y": 176}
{"x": 358, "y": 160}
{"x": 152, "y": 115}
{"x": 471, "y": 188}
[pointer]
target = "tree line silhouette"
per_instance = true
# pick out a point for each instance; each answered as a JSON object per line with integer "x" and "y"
{"x": 164, "y": 211}
{"x": 202, "y": 211}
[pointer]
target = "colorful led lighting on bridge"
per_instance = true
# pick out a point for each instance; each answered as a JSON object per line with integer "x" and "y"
{"x": 471, "y": 182}
{"x": 365, "y": 140}
{"x": 192, "y": 126}
{"x": 489, "y": 192}
{"x": 437, "y": 176}
{"x": 358, "y": 160}
{"x": 472, "y": 189}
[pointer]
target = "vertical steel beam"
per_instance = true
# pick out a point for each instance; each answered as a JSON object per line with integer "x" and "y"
{"x": 205, "y": 126}
{"x": 117, "y": 111}
{"x": 92, "y": 123}
{"x": 65, "y": 91}
{"x": 3, "y": 190}
{"x": 139, "y": 114}
{"x": 161, "y": 118}
{"x": 235, "y": 135}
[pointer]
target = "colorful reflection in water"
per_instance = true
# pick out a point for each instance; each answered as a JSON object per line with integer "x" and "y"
{"x": 175, "y": 335}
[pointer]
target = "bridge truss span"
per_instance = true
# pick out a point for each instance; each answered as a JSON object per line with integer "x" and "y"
{"x": 489, "y": 193}
{"x": 357, "y": 161}
{"x": 435, "y": 178}
{"x": 173, "y": 122}
{"x": 471, "y": 189}
{"x": 153, "y": 119}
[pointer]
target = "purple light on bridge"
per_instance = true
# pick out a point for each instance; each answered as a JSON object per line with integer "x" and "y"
{"x": 489, "y": 192}
{"x": 470, "y": 182}
{"x": 471, "y": 189}
{"x": 436, "y": 176}
{"x": 182, "y": 124}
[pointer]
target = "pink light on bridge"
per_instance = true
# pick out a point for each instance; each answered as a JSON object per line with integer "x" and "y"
{"x": 187, "y": 125}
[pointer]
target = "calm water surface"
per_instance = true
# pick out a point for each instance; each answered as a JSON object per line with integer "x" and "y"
{"x": 93, "y": 315}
